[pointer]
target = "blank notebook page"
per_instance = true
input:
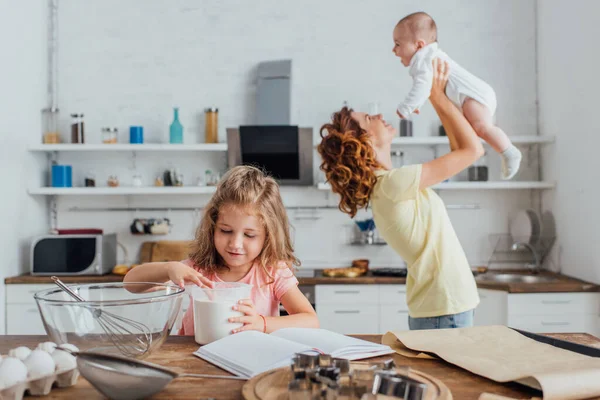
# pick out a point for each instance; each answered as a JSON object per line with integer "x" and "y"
{"x": 251, "y": 352}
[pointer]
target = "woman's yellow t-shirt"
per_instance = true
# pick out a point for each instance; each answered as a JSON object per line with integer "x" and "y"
{"x": 416, "y": 225}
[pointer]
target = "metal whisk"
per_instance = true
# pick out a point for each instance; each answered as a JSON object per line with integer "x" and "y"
{"x": 130, "y": 337}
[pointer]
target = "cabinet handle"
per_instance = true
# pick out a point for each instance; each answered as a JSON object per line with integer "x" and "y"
{"x": 555, "y": 323}
{"x": 347, "y": 312}
{"x": 556, "y": 301}
{"x": 402, "y": 312}
{"x": 32, "y": 310}
{"x": 347, "y": 292}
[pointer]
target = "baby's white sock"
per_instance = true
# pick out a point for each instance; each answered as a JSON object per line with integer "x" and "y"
{"x": 511, "y": 160}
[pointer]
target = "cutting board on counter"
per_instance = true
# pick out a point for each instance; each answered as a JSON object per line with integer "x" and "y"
{"x": 164, "y": 250}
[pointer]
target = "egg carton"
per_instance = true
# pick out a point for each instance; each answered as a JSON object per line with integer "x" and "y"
{"x": 40, "y": 386}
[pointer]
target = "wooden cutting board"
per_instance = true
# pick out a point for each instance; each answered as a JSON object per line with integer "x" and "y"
{"x": 164, "y": 250}
{"x": 273, "y": 385}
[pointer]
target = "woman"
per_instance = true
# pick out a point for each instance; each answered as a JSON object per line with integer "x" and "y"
{"x": 356, "y": 151}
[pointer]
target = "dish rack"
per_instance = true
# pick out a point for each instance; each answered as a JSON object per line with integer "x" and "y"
{"x": 503, "y": 253}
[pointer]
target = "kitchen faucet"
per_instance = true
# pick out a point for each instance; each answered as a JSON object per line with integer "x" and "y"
{"x": 535, "y": 268}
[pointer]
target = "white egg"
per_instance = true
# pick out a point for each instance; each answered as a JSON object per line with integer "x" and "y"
{"x": 69, "y": 346}
{"x": 12, "y": 371}
{"x": 21, "y": 353}
{"x": 39, "y": 363}
{"x": 64, "y": 360}
{"x": 48, "y": 347}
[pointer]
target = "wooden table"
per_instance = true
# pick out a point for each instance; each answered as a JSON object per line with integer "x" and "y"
{"x": 176, "y": 353}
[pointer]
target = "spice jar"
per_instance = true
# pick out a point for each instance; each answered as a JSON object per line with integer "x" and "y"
{"x": 50, "y": 121}
{"x": 77, "y": 128}
{"x": 211, "y": 125}
{"x": 109, "y": 135}
{"x": 137, "y": 180}
{"x": 90, "y": 179}
{"x": 113, "y": 181}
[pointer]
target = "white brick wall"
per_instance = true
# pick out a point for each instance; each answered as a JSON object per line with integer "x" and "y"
{"x": 568, "y": 92}
{"x": 22, "y": 96}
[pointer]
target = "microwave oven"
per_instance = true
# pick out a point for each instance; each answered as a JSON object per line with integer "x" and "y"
{"x": 73, "y": 254}
{"x": 285, "y": 152}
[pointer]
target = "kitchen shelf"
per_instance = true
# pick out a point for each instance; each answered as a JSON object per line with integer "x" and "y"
{"x": 478, "y": 185}
{"x": 439, "y": 140}
{"x": 122, "y": 190}
{"x": 129, "y": 147}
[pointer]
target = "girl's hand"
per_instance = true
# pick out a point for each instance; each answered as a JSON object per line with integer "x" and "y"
{"x": 441, "y": 71}
{"x": 252, "y": 320}
{"x": 179, "y": 274}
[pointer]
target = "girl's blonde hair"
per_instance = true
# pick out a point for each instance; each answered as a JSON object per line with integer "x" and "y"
{"x": 247, "y": 186}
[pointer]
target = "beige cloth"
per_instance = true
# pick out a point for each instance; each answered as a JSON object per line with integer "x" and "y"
{"x": 503, "y": 355}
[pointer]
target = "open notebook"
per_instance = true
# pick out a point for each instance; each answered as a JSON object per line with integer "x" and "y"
{"x": 250, "y": 353}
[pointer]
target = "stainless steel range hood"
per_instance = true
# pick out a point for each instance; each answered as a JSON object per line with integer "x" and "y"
{"x": 273, "y": 94}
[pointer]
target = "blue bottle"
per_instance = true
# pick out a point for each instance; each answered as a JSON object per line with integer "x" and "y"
{"x": 176, "y": 129}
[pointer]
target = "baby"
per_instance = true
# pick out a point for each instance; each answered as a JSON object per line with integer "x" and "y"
{"x": 415, "y": 43}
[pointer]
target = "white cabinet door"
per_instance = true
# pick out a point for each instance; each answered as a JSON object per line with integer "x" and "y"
{"x": 346, "y": 294}
{"x": 393, "y": 295}
{"x": 492, "y": 308}
{"x": 393, "y": 318}
{"x": 349, "y": 319}
{"x": 23, "y": 319}
{"x": 23, "y": 294}
{"x": 554, "y": 323}
{"x": 554, "y": 303}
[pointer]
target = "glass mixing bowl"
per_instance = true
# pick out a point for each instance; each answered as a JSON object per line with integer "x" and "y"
{"x": 131, "y": 319}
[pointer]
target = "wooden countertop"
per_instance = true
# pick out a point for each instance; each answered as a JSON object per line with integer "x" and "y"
{"x": 176, "y": 353}
{"x": 562, "y": 284}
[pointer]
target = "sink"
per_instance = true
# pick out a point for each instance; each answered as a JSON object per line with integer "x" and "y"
{"x": 516, "y": 278}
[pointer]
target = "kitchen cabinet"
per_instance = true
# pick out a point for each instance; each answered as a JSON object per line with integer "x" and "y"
{"x": 22, "y": 315}
{"x": 379, "y": 308}
{"x": 554, "y": 312}
{"x": 359, "y": 308}
{"x": 492, "y": 309}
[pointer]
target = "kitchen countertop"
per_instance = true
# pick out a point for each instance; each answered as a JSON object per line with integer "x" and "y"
{"x": 176, "y": 353}
{"x": 563, "y": 283}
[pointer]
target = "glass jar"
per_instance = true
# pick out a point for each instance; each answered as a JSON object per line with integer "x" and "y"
{"x": 208, "y": 177}
{"x": 90, "y": 179}
{"x": 113, "y": 181}
{"x": 50, "y": 125}
{"x": 211, "y": 125}
{"x": 77, "y": 128}
{"x": 109, "y": 135}
{"x": 136, "y": 181}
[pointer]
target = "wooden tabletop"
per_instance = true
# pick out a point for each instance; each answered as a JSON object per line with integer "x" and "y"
{"x": 562, "y": 284}
{"x": 176, "y": 353}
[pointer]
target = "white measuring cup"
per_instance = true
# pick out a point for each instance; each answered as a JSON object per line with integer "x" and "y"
{"x": 214, "y": 306}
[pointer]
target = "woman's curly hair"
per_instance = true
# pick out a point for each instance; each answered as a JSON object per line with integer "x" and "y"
{"x": 348, "y": 161}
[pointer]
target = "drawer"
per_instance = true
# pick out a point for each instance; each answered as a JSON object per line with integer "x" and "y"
{"x": 393, "y": 318}
{"x": 363, "y": 319}
{"x": 393, "y": 295}
{"x": 553, "y": 303}
{"x": 347, "y": 294}
{"x": 555, "y": 323}
{"x": 23, "y": 294}
{"x": 23, "y": 319}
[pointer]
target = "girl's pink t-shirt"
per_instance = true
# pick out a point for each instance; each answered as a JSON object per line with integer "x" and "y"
{"x": 266, "y": 297}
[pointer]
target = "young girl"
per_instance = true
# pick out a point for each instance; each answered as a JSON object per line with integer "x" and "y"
{"x": 243, "y": 237}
